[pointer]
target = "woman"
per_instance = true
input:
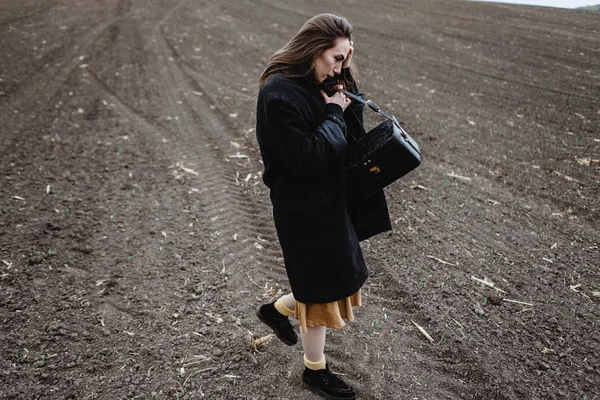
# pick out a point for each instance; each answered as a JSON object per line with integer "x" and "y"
{"x": 304, "y": 134}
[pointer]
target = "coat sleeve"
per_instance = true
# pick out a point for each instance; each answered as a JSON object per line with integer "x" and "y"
{"x": 356, "y": 108}
{"x": 302, "y": 151}
{"x": 354, "y": 112}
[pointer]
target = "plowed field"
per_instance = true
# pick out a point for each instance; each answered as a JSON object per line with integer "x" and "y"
{"x": 136, "y": 235}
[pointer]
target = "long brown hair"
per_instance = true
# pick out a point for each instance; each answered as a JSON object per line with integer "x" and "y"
{"x": 296, "y": 58}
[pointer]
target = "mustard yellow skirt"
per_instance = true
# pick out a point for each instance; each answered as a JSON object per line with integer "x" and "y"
{"x": 327, "y": 314}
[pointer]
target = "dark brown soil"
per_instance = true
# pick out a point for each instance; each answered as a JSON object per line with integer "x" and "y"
{"x": 136, "y": 238}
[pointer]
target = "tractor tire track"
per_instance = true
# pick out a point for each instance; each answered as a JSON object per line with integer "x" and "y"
{"x": 231, "y": 214}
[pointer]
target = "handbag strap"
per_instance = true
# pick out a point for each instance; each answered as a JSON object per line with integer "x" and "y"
{"x": 377, "y": 109}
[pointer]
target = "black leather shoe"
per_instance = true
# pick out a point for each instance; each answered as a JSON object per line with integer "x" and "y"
{"x": 327, "y": 385}
{"x": 280, "y": 324}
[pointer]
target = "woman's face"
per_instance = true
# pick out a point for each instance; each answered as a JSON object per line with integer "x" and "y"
{"x": 328, "y": 64}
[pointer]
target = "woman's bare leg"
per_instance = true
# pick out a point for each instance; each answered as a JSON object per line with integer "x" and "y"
{"x": 290, "y": 301}
{"x": 286, "y": 305}
{"x": 314, "y": 345}
{"x": 316, "y": 376}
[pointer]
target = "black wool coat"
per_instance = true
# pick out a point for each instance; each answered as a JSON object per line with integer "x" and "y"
{"x": 319, "y": 222}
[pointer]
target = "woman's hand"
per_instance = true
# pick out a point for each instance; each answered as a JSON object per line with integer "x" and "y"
{"x": 338, "y": 98}
{"x": 346, "y": 62}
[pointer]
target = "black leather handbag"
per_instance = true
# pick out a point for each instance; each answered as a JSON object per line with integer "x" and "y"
{"x": 382, "y": 156}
